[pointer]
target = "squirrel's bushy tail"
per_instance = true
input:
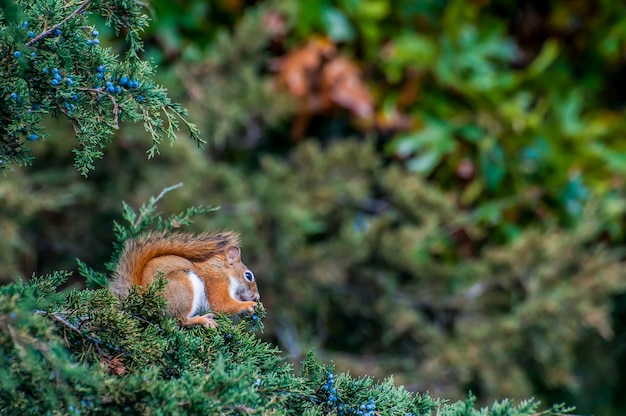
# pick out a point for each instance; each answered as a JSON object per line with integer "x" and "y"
{"x": 137, "y": 253}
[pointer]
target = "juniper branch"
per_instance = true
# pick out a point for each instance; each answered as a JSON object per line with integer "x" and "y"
{"x": 50, "y": 31}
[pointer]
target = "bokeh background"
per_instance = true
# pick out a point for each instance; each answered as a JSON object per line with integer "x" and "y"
{"x": 429, "y": 189}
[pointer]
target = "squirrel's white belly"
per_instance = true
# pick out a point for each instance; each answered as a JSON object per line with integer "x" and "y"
{"x": 200, "y": 303}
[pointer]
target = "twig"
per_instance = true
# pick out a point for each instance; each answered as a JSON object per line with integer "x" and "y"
{"x": 97, "y": 342}
{"x": 166, "y": 190}
{"x": 145, "y": 321}
{"x": 155, "y": 200}
{"x": 48, "y": 32}
{"x": 116, "y": 106}
{"x": 201, "y": 142}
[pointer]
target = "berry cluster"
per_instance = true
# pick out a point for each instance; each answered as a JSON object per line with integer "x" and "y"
{"x": 122, "y": 83}
{"x": 364, "y": 409}
{"x": 69, "y": 107}
{"x": 94, "y": 40}
{"x": 332, "y": 399}
{"x": 329, "y": 387}
{"x": 57, "y": 78}
{"x": 16, "y": 97}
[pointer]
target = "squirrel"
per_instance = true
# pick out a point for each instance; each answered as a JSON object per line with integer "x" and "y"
{"x": 203, "y": 272}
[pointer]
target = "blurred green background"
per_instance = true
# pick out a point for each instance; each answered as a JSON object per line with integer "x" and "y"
{"x": 430, "y": 189}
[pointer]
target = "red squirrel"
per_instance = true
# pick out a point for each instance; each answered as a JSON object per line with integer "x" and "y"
{"x": 204, "y": 272}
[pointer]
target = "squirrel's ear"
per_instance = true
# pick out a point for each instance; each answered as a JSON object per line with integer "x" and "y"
{"x": 232, "y": 254}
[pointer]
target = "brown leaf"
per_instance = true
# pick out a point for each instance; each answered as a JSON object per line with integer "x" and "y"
{"x": 114, "y": 364}
{"x": 341, "y": 81}
{"x": 300, "y": 65}
{"x": 322, "y": 80}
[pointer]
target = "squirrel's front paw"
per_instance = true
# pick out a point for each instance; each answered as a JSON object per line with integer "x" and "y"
{"x": 250, "y": 306}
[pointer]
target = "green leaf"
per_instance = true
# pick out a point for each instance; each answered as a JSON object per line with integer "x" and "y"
{"x": 336, "y": 24}
{"x": 493, "y": 165}
{"x": 373, "y": 9}
{"x": 425, "y": 148}
{"x": 549, "y": 53}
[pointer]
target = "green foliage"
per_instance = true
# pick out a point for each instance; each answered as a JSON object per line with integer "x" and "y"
{"x": 81, "y": 353}
{"x": 387, "y": 266}
{"x": 494, "y": 101}
{"x": 232, "y": 91}
{"x": 473, "y": 243}
{"x": 53, "y": 64}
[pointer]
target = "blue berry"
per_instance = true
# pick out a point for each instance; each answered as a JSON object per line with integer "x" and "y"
{"x": 133, "y": 83}
{"x": 74, "y": 97}
{"x": 45, "y": 70}
{"x": 69, "y": 81}
{"x": 89, "y": 42}
{"x": 100, "y": 75}
{"x": 31, "y": 34}
{"x": 17, "y": 54}
{"x": 55, "y": 70}
{"x": 58, "y": 32}
{"x": 25, "y": 24}
{"x": 124, "y": 80}
{"x": 32, "y": 137}
{"x": 12, "y": 315}
{"x": 118, "y": 89}
{"x": 35, "y": 106}
{"x": 14, "y": 96}
{"x": 54, "y": 81}
{"x": 101, "y": 68}
{"x": 140, "y": 98}
{"x": 33, "y": 55}
{"x": 111, "y": 90}
{"x": 95, "y": 33}
{"x": 108, "y": 84}
{"x": 96, "y": 41}
{"x": 58, "y": 77}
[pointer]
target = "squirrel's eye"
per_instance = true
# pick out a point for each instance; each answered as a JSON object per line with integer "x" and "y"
{"x": 249, "y": 276}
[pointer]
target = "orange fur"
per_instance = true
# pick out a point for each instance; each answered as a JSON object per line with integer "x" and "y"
{"x": 213, "y": 257}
